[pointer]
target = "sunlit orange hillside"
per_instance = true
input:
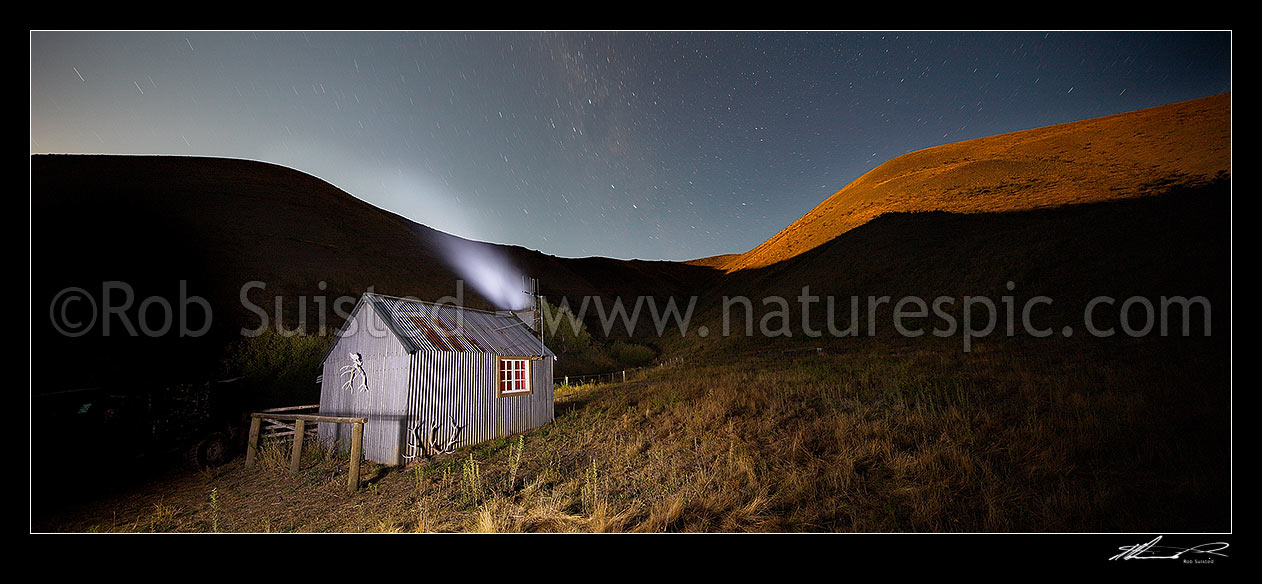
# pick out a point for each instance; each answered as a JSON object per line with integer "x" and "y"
{"x": 1113, "y": 157}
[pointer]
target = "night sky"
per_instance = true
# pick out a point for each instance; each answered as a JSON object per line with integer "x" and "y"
{"x": 670, "y": 145}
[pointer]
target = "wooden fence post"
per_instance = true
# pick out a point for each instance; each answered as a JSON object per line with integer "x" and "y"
{"x": 300, "y": 430}
{"x": 253, "y": 446}
{"x": 357, "y": 451}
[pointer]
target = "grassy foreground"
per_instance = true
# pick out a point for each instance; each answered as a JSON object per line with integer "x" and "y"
{"x": 875, "y": 436}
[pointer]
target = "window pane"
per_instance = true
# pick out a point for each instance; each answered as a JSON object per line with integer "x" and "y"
{"x": 514, "y": 375}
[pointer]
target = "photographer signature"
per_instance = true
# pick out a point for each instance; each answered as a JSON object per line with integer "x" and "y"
{"x": 1152, "y": 551}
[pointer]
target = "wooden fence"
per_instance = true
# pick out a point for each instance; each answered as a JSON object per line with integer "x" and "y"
{"x": 299, "y": 431}
{"x": 614, "y": 377}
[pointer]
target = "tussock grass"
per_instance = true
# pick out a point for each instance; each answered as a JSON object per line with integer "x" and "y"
{"x": 1042, "y": 438}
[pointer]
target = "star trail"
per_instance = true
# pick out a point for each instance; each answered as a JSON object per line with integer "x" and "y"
{"x": 649, "y": 145}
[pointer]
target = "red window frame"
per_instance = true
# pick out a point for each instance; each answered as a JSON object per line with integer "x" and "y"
{"x": 513, "y": 376}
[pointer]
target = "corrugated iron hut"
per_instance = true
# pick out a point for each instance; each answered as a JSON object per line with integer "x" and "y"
{"x": 433, "y": 377}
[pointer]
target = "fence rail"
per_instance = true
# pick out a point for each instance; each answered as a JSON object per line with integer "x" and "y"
{"x": 277, "y": 428}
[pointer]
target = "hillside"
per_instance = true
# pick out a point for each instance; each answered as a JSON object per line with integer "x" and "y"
{"x": 1108, "y": 158}
{"x": 1176, "y": 243}
{"x": 224, "y": 226}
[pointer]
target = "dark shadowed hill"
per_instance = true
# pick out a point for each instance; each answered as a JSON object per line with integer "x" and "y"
{"x": 1176, "y": 244}
{"x": 212, "y": 228}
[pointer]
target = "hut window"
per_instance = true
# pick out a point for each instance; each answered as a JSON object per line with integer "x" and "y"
{"x": 514, "y": 376}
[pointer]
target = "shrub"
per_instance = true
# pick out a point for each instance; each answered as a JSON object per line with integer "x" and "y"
{"x": 280, "y": 369}
{"x": 631, "y": 354}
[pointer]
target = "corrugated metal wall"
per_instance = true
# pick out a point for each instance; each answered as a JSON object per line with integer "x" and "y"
{"x": 463, "y": 385}
{"x": 387, "y": 365}
{"x": 421, "y": 388}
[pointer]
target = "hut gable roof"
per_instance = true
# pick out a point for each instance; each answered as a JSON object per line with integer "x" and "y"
{"x": 425, "y": 326}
